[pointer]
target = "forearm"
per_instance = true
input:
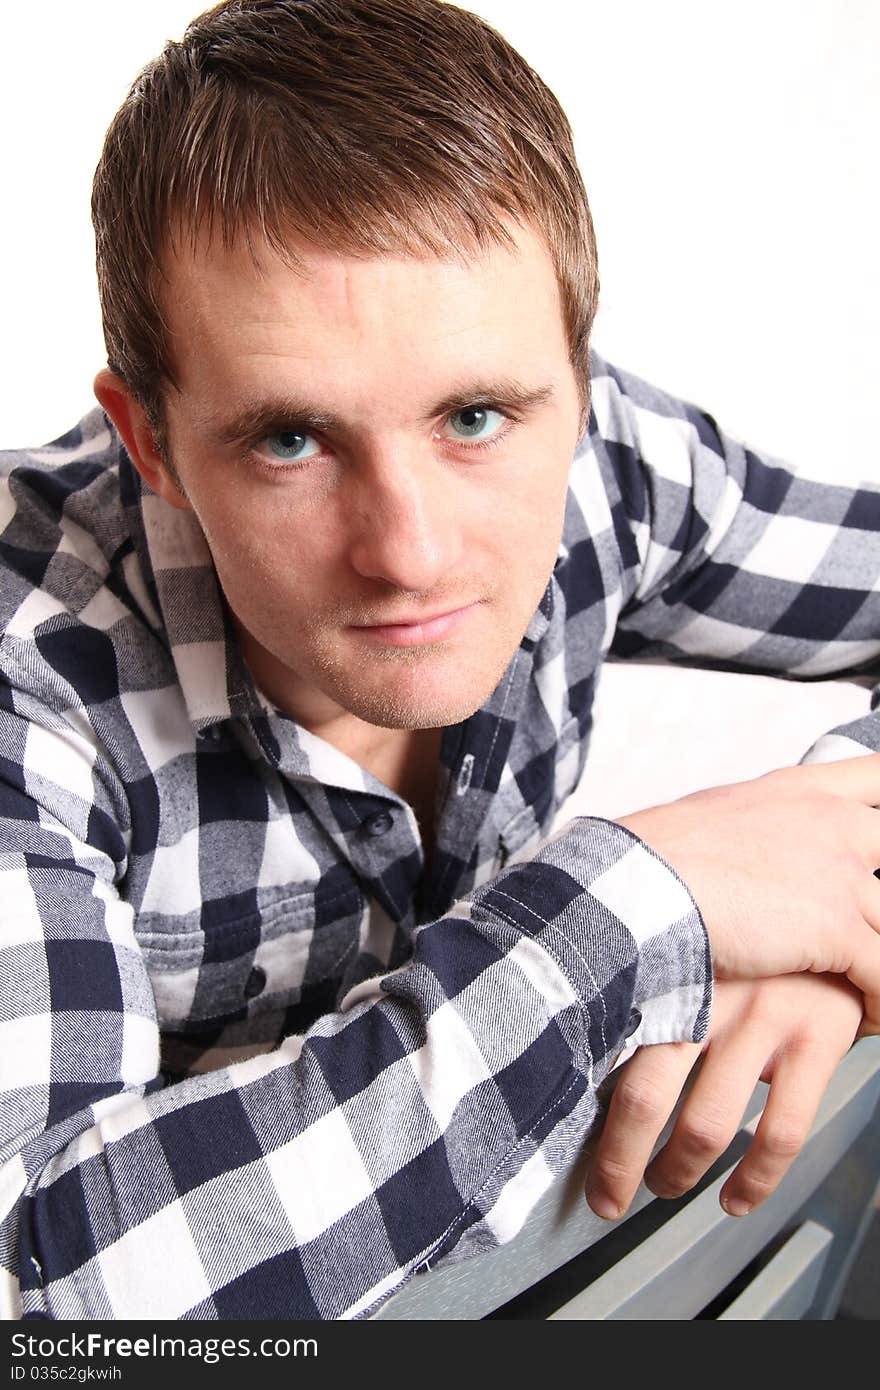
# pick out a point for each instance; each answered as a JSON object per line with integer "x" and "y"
{"x": 396, "y": 1131}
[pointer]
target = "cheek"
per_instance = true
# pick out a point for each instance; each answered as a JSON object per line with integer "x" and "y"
{"x": 261, "y": 538}
{"x": 259, "y": 565}
{"x": 532, "y": 506}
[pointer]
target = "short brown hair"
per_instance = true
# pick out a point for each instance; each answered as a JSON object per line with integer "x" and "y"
{"x": 367, "y": 126}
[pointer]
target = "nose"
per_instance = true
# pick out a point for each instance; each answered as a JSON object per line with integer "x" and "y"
{"x": 406, "y": 520}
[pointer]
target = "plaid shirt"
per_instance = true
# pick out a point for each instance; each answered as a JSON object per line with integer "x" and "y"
{"x": 255, "y": 1062}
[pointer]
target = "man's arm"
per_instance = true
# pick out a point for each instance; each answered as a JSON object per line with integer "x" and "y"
{"x": 730, "y": 560}
{"x": 727, "y": 558}
{"x": 426, "y": 1117}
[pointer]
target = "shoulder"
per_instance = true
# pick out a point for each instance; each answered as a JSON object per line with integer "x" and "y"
{"x": 65, "y": 525}
{"x": 77, "y": 599}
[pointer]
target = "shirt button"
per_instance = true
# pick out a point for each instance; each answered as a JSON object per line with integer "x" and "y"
{"x": 379, "y": 823}
{"x": 635, "y": 1019}
{"x": 255, "y": 982}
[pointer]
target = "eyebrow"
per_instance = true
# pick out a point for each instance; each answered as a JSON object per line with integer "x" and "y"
{"x": 263, "y": 416}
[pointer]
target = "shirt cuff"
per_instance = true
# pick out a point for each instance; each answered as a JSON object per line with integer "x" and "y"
{"x": 628, "y": 884}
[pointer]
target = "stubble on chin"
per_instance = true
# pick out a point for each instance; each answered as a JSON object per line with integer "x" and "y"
{"x": 383, "y": 688}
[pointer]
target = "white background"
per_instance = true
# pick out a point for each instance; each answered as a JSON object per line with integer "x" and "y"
{"x": 730, "y": 154}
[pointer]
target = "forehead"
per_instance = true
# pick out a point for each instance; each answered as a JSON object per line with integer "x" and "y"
{"x": 366, "y": 319}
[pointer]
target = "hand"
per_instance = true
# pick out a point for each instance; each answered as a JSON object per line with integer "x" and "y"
{"x": 782, "y": 869}
{"x": 791, "y": 1032}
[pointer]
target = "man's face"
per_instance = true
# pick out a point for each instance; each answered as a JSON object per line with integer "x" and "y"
{"x": 377, "y": 451}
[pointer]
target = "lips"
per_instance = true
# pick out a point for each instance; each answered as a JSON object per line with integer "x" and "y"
{"x": 419, "y": 630}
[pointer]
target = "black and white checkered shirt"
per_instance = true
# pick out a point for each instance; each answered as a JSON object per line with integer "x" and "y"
{"x": 256, "y": 1063}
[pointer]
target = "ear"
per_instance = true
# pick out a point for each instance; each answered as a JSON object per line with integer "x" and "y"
{"x": 136, "y": 432}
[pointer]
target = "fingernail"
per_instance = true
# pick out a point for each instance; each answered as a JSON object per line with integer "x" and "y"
{"x": 604, "y": 1206}
{"x": 736, "y": 1206}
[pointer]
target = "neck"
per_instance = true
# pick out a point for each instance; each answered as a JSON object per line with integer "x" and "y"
{"x": 406, "y": 760}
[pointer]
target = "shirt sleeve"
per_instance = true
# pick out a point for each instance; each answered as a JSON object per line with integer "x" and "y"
{"x": 729, "y": 558}
{"x": 420, "y": 1122}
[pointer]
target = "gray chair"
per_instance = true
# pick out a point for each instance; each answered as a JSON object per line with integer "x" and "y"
{"x": 686, "y": 1259}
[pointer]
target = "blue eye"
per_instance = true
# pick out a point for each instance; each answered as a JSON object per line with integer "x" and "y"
{"x": 476, "y": 422}
{"x": 290, "y": 446}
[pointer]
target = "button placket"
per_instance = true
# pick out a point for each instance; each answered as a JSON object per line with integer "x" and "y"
{"x": 384, "y": 852}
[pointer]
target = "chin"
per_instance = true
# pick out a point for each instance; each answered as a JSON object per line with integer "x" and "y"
{"x": 386, "y": 712}
{"x": 413, "y": 704}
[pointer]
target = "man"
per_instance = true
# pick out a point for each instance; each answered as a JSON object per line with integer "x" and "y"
{"x": 301, "y": 641}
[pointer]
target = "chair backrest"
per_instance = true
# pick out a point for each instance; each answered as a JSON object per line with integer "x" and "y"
{"x": 686, "y": 1259}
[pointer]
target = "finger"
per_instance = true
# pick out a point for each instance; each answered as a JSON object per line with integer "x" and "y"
{"x": 857, "y": 778}
{"x": 863, "y": 971}
{"x": 643, "y": 1100}
{"x": 711, "y": 1115}
{"x": 799, "y": 1079}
